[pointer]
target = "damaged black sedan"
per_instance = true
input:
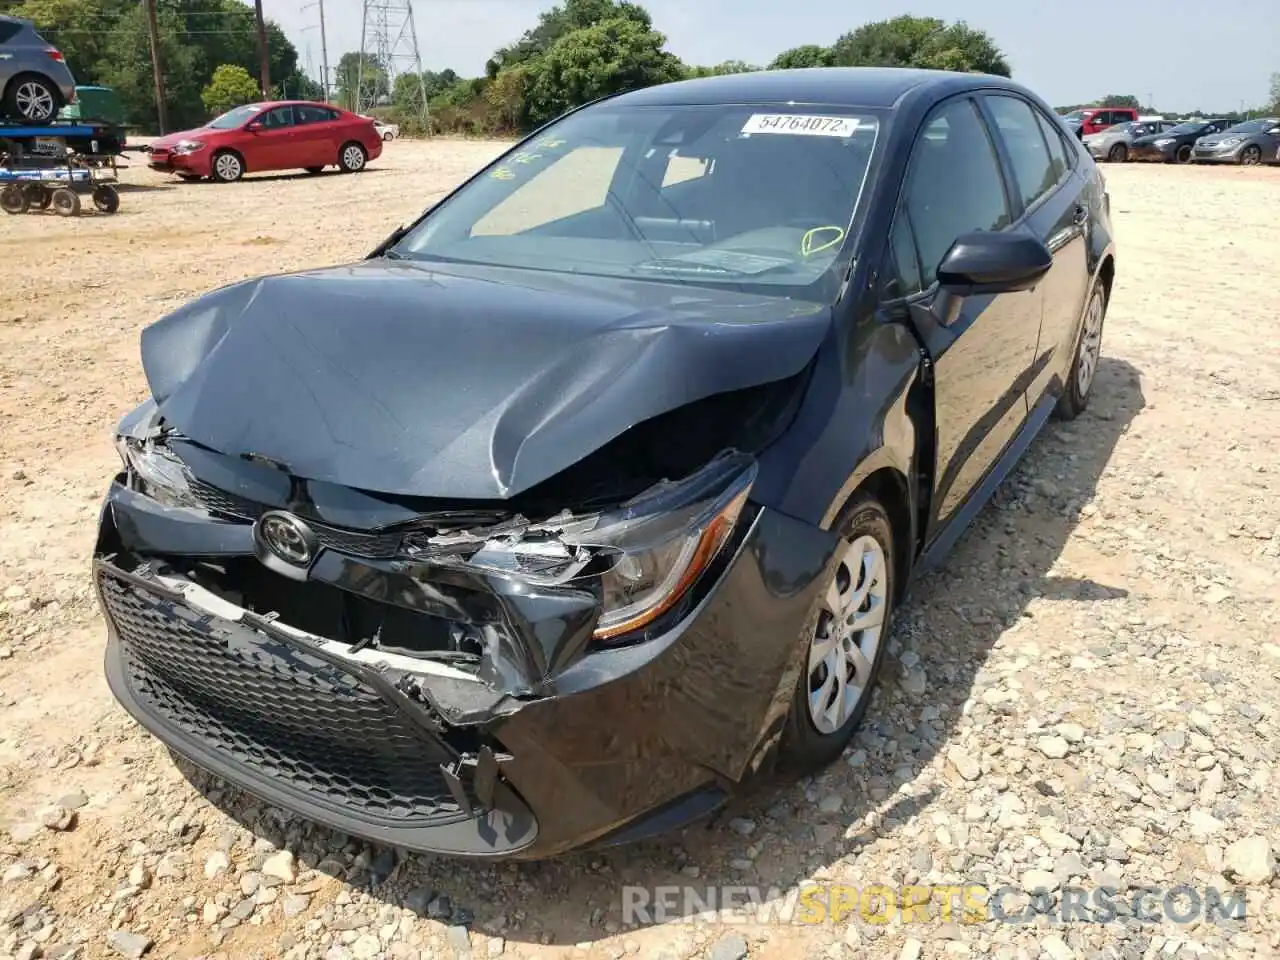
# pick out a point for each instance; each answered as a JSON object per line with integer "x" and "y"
{"x": 586, "y": 498}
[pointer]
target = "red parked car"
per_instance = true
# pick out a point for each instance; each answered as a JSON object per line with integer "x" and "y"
{"x": 280, "y": 135}
{"x": 1096, "y": 119}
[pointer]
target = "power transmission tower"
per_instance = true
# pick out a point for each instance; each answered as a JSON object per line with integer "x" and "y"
{"x": 388, "y": 48}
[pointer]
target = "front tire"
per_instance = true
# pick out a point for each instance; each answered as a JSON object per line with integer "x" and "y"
{"x": 1251, "y": 156}
{"x": 227, "y": 166}
{"x": 845, "y": 650}
{"x": 1084, "y": 365}
{"x": 1183, "y": 154}
{"x": 32, "y": 98}
{"x": 352, "y": 157}
{"x": 1118, "y": 154}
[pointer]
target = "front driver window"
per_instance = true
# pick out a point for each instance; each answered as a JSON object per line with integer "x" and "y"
{"x": 953, "y": 187}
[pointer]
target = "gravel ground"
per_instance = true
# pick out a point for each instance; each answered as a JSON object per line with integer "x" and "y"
{"x": 1085, "y": 697}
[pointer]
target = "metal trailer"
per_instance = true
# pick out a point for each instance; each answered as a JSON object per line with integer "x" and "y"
{"x": 40, "y": 168}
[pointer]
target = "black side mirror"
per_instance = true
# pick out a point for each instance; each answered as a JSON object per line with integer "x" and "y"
{"x": 982, "y": 263}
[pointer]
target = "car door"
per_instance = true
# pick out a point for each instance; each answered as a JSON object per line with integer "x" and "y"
{"x": 981, "y": 347}
{"x": 315, "y": 125}
{"x": 270, "y": 147}
{"x": 1054, "y": 207}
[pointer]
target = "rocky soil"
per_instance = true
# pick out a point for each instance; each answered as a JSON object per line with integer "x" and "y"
{"x": 1086, "y": 696}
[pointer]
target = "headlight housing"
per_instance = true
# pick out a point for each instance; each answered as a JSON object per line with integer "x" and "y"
{"x": 1231, "y": 141}
{"x": 1163, "y": 141}
{"x": 184, "y": 147}
{"x": 157, "y": 473}
{"x": 640, "y": 559}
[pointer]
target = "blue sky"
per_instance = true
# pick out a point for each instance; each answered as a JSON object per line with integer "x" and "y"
{"x": 1187, "y": 55}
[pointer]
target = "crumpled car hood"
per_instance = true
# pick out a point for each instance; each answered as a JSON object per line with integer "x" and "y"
{"x": 475, "y": 383}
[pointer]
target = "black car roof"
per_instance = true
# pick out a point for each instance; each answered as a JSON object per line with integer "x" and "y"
{"x": 881, "y": 87}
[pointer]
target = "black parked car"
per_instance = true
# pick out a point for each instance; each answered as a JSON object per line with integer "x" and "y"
{"x": 587, "y": 497}
{"x": 1176, "y": 144}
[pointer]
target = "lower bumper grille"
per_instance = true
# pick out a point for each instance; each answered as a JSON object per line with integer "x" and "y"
{"x": 277, "y": 711}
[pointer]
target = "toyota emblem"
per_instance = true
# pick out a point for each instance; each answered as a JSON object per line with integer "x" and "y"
{"x": 287, "y": 537}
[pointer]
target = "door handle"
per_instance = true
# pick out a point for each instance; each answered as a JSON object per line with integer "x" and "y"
{"x": 1081, "y": 215}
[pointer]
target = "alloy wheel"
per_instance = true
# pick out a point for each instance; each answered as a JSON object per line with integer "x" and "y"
{"x": 353, "y": 157}
{"x": 35, "y": 101}
{"x": 1250, "y": 156}
{"x": 1090, "y": 345}
{"x": 227, "y": 167}
{"x": 847, "y": 638}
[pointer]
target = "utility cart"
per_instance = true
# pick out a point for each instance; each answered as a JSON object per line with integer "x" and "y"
{"x": 53, "y": 166}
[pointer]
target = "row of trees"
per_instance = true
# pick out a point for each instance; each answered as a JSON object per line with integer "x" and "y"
{"x": 583, "y": 49}
{"x": 106, "y": 42}
{"x": 577, "y": 51}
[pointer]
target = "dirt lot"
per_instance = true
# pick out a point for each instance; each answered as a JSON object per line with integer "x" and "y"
{"x": 1087, "y": 695}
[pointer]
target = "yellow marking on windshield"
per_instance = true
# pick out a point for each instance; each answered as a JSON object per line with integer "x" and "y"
{"x": 523, "y": 157}
{"x": 809, "y": 246}
{"x": 549, "y": 143}
{"x": 503, "y": 173}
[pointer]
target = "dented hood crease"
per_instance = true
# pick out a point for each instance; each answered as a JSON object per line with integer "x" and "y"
{"x": 475, "y": 383}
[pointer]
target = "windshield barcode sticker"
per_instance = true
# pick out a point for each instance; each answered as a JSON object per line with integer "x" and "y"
{"x": 801, "y": 124}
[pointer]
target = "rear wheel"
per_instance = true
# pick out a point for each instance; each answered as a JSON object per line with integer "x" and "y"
{"x": 1251, "y": 155}
{"x": 352, "y": 158}
{"x": 1183, "y": 154}
{"x": 227, "y": 167}
{"x": 1084, "y": 365}
{"x": 13, "y": 199}
{"x": 386, "y": 137}
{"x": 32, "y": 98}
{"x": 845, "y": 649}
{"x": 106, "y": 198}
{"x": 1118, "y": 154}
{"x": 66, "y": 203}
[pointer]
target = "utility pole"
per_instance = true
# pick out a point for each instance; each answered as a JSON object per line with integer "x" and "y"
{"x": 264, "y": 64}
{"x": 324, "y": 48}
{"x": 324, "y": 54}
{"x": 157, "y": 67}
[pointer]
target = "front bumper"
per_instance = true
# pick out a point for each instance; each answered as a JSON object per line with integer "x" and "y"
{"x": 1149, "y": 153}
{"x": 1210, "y": 155}
{"x": 196, "y": 164}
{"x": 605, "y": 746}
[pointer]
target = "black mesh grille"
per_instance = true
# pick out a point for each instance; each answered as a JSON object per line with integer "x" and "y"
{"x": 276, "y": 710}
{"x": 373, "y": 546}
{"x": 219, "y": 501}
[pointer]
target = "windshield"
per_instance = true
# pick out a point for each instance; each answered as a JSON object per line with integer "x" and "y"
{"x": 1251, "y": 126}
{"x": 234, "y": 118}
{"x": 710, "y": 194}
{"x": 1194, "y": 126}
{"x": 1075, "y": 116}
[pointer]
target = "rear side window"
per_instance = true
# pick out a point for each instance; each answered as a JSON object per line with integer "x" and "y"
{"x": 8, "y": 31}
{"x": 1017, "y": 126}
{"x": 954, "y": 186}
{"x": 312, "y": 114}
{"x": 1057, "y": 150}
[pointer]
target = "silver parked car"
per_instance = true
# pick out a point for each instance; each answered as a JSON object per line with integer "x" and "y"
{"x": 1113, "y": 143}
{"x": 1249, "y": 143}
{"x": 35, "y": 82}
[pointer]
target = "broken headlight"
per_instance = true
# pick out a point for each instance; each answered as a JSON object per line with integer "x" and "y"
{"x": 641, "y": 558}
{"x": 653, "y": 549}
{"x": 156, "y": 473}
